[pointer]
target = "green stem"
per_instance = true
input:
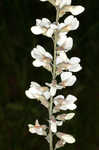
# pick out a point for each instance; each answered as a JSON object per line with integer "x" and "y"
{"x": 53, "y": 78}
{"x": 50, "y": 132}
{"x": 55, "y": 42}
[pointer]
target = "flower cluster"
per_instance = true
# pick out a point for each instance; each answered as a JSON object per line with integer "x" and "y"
{"x": 37, "y": 128}
{"x": 58, "y": 65}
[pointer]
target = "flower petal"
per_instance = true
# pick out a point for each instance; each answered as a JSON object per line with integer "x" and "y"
{"x": 32, "y": 130}
{"x": 39, "y": 131}
{"x": 68, "y": 44}
{"x": 61, "y": 39}
{"x": 29, "y": 94}
{"x": 53, "y": 91}
{"x": 48, "y": 55}
{"x": 68, "y": 19}
{"x": 75, "y": 60}
{"x": 72, "y": 22}
{"x": 49, "y": 32}
{"x": 45, "y": 22}
{"x": 71, "y": 106}
{"x": 37, "y": 63}
{"x": 68, "y": 2}
{"x": 76, "y": 10}
{"x": 58, "y": 97}
{"x": 71, "y": 81}
{"x": 34, "y": 84}
{"x": 65, "y": 2}
{"x": 75, "y": 68}
{"x": 68, "y": 138}
{"x": 53, "y": 127}
{"x": 36, "y": 30}
{"x": 38, "y": 52}
{"x": 38, "y": 21}
{"x": 63, "y": 107}
{"x": 71, "y": 98}
{"x": 65, "y": 75}
{"x": 59, "y": 123}
{"x": 69, "y": 116}
{"x": 47, "y": 95}
{"x": 40, "y": 49}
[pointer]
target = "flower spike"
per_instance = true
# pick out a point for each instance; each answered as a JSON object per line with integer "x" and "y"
{"x": 62, "y": 69}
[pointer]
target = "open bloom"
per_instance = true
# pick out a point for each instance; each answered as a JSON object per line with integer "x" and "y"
{"x": 62, "y": 103}
{"x": 65, "y": 43}
{"x": 70, "y": 23}
{"x": 54, "y": 123}
{"x": 64, "y": 138}
{"x": 54, "y": 87}
{"x": 64, "y": 63}
{"x": 37, "y": 92}
{"x": 44, "y": 27}
{"x": 67, "y": 138}
{"x": 67, "y": 79}
{"x": 42, "y": 58}
{"x": 37, "y": 128}
{"x": 75, "y": 10}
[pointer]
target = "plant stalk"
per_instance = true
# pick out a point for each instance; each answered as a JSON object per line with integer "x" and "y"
{"x": 53, "y": 78}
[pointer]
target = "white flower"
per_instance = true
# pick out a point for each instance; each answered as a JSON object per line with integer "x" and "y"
{"x": 70, "y": 23}
{"x": 66, "y": 137}
{"x": 65, "y": 103}
{"x": 53, "y": 87}
{"x": 44, "y": 27}
{"x": 42, "y": 58}
{"x": 74, "y": 64}
{"x": 54, "y": 124}
{"x": 65, "y": 43}
{"x": 64, "y": 63}
{"x": 67, "y": 79}
{"x": 64, "y": 117}
{"x": 37, "y": 128}
{"x": 42, "y": 94}
{"x": 75, "y": 10}
{"x": 36, "y": 90}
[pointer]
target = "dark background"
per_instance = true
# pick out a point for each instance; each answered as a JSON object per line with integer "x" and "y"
{"x": 16, "y": 43}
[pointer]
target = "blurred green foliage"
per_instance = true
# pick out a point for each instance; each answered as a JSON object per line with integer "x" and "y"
{"x": 16, "y": 43}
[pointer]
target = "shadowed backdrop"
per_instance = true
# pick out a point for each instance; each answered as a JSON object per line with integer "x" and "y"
{"x": 16, "y": 43}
